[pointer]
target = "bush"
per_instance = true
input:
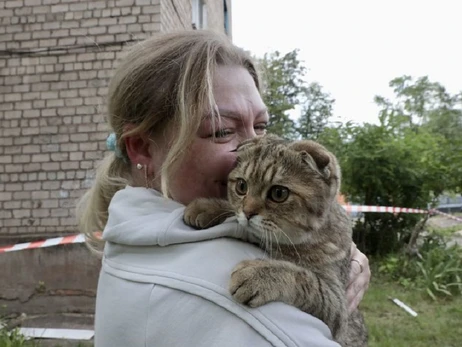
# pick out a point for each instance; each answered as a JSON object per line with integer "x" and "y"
{"x": 436, "y": 269}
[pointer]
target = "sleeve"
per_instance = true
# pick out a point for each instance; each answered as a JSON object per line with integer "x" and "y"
{"x": 178, "y": 319}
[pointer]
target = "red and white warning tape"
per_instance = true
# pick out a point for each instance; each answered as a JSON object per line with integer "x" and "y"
{"x": 80, "y": 238}
{"x": 390, "y": 209}
{"x": 447, "y": 215}
{"x": 354, "y": 208}
{"x": 65, "y": 240}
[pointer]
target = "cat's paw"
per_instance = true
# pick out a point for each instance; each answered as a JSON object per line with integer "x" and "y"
{"x": 203, "y": 214}
{"x": 252, "y": 283}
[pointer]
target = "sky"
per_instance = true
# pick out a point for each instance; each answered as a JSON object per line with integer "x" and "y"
{"x": 353, "y": 48}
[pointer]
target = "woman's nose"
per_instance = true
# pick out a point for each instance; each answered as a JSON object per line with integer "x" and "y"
{"x": 247, "y": 134}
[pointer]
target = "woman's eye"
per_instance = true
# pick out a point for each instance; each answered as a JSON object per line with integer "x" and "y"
{"x": 260, "y": 128}
{"x": 222, "y": 133}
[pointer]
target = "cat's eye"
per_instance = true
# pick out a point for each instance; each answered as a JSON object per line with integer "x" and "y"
{"x": 278, "y": 193}
{"x": 241, "y": 186}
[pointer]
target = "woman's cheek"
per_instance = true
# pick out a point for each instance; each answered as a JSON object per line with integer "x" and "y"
{"x": 229, "y": 162}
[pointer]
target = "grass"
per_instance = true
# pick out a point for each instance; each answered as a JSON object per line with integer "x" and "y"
{"x": 438, "y": 322}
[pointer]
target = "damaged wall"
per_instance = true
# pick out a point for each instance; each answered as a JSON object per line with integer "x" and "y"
{"x": 49, "y": 280}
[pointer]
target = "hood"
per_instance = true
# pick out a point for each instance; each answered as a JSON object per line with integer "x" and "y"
{"x": 143, "y": 217}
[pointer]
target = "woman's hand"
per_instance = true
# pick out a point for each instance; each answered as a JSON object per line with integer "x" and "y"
{"x": 358, "y": 281}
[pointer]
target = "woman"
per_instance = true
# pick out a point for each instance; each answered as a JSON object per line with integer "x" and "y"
{"x": 178, "y": 105}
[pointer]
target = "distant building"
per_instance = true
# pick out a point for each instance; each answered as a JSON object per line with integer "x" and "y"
{"x": 55, "y": 61}
{"x": 450, "y": 204}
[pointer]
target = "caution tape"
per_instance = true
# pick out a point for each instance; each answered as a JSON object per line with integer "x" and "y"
{"x": 447, "y": 215}
{"x": 390, "y": 209}
{"x": 80, "y": 238}
{"x": 65, "y": 240}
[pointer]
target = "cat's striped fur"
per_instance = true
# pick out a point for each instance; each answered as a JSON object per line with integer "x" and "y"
{"x": 284, "y": 193}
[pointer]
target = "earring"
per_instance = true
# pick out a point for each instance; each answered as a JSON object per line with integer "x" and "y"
{"x": 139, "y": 166}
{"x": 146, "y": 177}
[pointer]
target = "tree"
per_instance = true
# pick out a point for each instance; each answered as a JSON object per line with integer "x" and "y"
{"x": 381, "y": 168}
{"x": 316, "y": 111}
{"x": 285, "y": 90}
{"x": 423, "y": 105}
{"x": 283, "y": 86}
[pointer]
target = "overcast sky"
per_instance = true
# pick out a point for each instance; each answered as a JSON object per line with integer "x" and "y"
{"x": 355, "y": 47}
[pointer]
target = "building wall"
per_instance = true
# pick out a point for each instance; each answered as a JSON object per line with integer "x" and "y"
{"x": 56, "y": 57}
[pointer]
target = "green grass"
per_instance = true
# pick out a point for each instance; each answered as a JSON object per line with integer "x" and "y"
{"x": 439, "y": 323}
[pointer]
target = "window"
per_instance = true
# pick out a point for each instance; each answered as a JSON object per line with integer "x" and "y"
{"x": 199, "y": 14}
{"x": 226, "y": 18}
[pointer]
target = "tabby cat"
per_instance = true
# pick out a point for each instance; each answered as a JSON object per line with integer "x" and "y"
{"x": 284, "y": 194}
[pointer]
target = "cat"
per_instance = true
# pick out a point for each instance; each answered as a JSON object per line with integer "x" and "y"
{"x": 285, "y": 194}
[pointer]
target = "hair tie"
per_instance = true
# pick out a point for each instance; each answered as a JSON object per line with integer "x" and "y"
{"x": 111, "y": 144}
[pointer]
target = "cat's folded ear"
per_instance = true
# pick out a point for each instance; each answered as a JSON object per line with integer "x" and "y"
{"x": 316, "y": 156}
{"x": 247, "y": 144}
{"x": 259, "y": 140}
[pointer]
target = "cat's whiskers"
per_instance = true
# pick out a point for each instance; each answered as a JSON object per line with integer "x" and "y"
{"x": 267, "y": 238}
{"x": 268, "y": 228}
{"x": 271, "y": 244}
{"x": 290, "y": 241}
{"x": 257, "y": 223}
{"x": 253, "y": 224}
{"x": 277, "y": 240}
{"x": 269, "y": 234}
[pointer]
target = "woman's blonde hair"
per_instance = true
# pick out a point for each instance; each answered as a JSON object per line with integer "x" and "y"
{"x": 163, "y": 81}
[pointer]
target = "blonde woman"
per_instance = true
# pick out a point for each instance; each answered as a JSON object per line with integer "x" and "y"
{"x": 178, "y": 105}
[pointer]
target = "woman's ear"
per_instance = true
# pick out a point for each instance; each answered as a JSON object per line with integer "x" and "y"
{"x": 136, "y": 146}
{"x": 138, "y": 149}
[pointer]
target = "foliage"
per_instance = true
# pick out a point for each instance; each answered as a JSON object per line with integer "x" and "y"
{"x": 316, "y": 112}
{"x": 423, "y": 105}
{"x": 283, "y": 77}
{"x": 437, "y": 271}
{"x": 11, "y": 338}
{"x": 382, "y": 167}
{"x": 404, "y": 161}
{"x": 285, "y": 90}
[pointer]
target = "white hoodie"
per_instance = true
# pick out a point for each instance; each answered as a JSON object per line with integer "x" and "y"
{"x": 165, "y": 284}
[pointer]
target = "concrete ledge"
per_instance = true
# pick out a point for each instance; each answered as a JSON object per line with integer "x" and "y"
{"x": 60, "y": 279}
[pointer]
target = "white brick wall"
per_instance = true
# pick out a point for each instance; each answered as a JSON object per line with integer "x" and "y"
{"x": 52, "y": 129}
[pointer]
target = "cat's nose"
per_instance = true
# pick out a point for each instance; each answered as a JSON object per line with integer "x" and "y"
{"x": 250, "y": 214}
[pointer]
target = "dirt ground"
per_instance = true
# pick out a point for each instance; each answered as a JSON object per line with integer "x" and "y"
{"x": 442, "y": 222}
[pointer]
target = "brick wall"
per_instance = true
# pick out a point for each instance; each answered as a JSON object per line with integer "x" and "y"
{"x": 55, "y": 60}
